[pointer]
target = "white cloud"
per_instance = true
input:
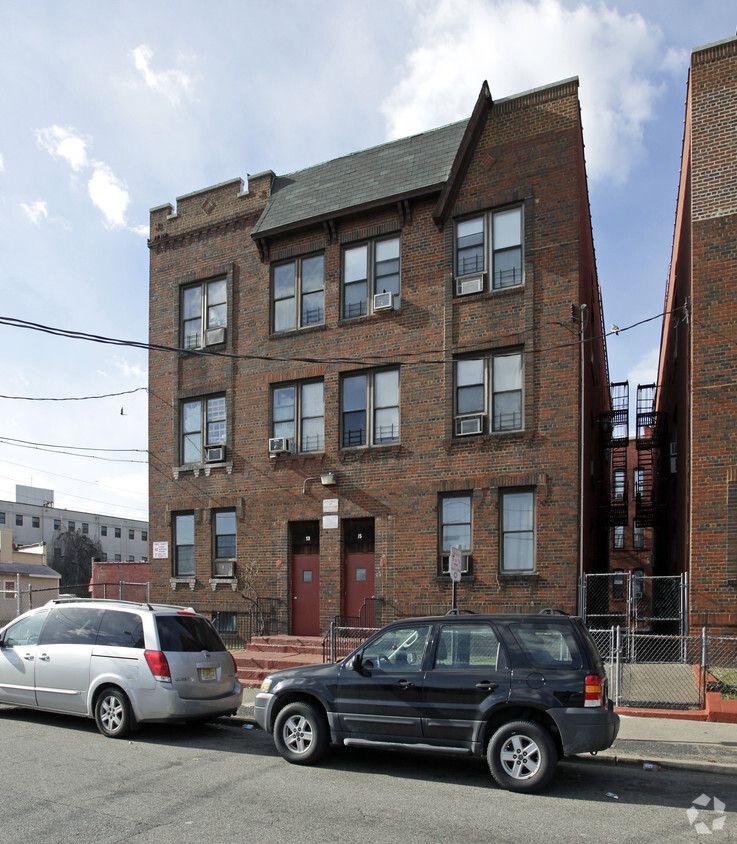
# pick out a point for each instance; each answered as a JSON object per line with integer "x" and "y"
{"x": 2, "y": 163}
{"x": 172, "y": 83}
{"x": 109, "y": 194}
{"x": 645, "y": 371}
{"x": 65, "y": 143}
{"x": 131, "y": 370}
{"x": 36, "y": 211}
{"x": 531, "y": 43}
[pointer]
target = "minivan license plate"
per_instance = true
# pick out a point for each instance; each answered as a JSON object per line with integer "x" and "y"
{"x": 207, "y": 674}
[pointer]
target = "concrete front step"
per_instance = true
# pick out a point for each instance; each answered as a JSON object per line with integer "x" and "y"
{"x": 265, "y": 654}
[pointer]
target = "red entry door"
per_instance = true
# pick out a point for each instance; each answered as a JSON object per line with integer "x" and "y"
{"x": 305, "y": 580}
{"x": 358, "y": 577}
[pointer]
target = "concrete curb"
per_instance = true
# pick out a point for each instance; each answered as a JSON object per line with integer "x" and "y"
{"x": 665, "y": 764}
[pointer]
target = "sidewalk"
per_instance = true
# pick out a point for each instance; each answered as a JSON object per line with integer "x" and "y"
{"x": 672, "y": 743}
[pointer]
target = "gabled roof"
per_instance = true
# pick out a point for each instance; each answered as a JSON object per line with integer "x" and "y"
{"x": 391, "y": 172}
{"x": 29, "y": 569}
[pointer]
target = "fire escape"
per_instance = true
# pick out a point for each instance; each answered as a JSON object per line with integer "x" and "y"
{"x": 615, "y": 437}
{"x": 650, "y": 433}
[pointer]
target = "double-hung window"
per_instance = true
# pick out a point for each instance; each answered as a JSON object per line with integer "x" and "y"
{"x": 488, "y": 388}
{"x": 455, "y": 528}
{"x": 8, "y": 589}
{"x": 224, "y": 542}
{"x": 203, "y": 426}
{"x": 517, "y": 531}
{"x": 298, "y": 413}
{"x": 489, "y": 244}
{"x": 184, "y": 545}
{"x": 638, "y": 534}
{"x": 204, "y": 313}
{"x": 299, "y": 293}
{"x": 370, "y": 408}
{"x": 369, "y": 269}
{"x": 618, "y": 537}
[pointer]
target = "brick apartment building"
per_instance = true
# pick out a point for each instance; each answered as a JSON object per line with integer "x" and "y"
{"x": 381, "y": 357}
{"x": 695, "y": 489}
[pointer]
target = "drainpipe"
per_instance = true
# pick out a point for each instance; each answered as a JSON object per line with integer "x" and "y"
{"x": 583, "y": 320}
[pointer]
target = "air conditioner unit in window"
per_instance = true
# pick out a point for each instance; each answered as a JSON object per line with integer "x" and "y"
{"x": 674, "y": 449}
{"x": 224, "y": 568}
{"x": 469, "y": 284}
{"x": 215, "y": 455}
{"x": 279, "y": 445}
{"x": 385, "y": 301}
{"x": 214, "y": 335}
{"x": 466, "y": 425}
{"x": 465, "y": 558}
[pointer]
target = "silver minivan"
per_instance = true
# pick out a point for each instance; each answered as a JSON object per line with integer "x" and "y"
{"x": 119, "y": 662}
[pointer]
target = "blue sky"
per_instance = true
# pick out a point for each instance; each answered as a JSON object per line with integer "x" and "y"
{"x": 112, "y": 109}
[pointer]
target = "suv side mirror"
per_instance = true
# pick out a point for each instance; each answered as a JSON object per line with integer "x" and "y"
{"x": 357, "y": 664}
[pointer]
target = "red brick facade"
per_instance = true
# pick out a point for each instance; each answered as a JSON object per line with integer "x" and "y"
{"x": 524, "y": 152}
{"x": 698, "y": 493}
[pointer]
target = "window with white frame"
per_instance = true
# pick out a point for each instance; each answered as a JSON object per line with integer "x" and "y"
{"x": 368, "y": 269}
{"x": 488, "y": 388}
{"x": 298, "y": 293}
{"x": 8, "y": 589}
{"x": 638, "y": 534}
{"x": 517, "y": 531}
{"x": 184, "y": 545}
{"x": 204, "y": 313}
{"x": 224, "y": 540}
{"x": 370, "y": 408}
{"x": 489, "y": 244}
{"x": 298, "y": 413}
{"x": 638, "y": 482}
{"x": 619, "y": 478}
{"x": 455, "y": 529}
{"x": 203, "y": 426}
{"x": 18, "y": 520}
{"x": 618, "y": 537}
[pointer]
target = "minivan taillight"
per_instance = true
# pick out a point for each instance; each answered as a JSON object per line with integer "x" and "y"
{"x": 594, "y": 691}
{"x": 159, "y": 665}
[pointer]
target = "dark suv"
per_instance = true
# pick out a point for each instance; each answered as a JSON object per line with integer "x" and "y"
{"x": 524, "y": 690}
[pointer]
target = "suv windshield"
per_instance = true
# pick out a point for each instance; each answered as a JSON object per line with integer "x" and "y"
{"x": 187, "y": 633}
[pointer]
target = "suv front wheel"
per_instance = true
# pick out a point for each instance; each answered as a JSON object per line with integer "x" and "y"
{"x": 301, "y": 733}
{"x": 522, "y": 756}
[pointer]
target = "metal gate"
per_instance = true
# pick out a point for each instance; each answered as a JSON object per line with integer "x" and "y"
{"x": 655, "y": 605}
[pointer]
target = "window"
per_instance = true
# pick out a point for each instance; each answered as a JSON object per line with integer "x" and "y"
{"x": 57, "y": 524}
{"x": 638, "y": 482}
{"x": 19, "y": 520}
{"x": 299, "y": 293}
{"x": 397, "y": 649}
{"x": 131, "y": 558}
{"x": 2, "y": 518}
{"x": 8, "y": 589}
{"x": 71, "y": 626}
{"x": 619, "y": 478}
{"x": 225, "y": 547}
{"x": 203, "y": 425}
{"x": 184, "y": 545}
{"x": 297, "y": 412}
{"x": 618, "y": 585}
{"x": 367, "y": 269}
{"x": 638, "y": 535}
{"x": 131, "y": 533}
{"x": 118, "y": 558}
{"x": 103, "y": 530}
{"x": 117, "y": 533}
{"x": 121, "y": 630}
{"x": 71, "y": 526}
{"x": 518, "y": 531}
{"x": 618, "y": 537}
{"x": 144, "y": 536}
{"x": 463, "y": 646}
{"x": 26, "y": 631}
{"x": 370, "y": 408}
{"x": 638, "y": 580}
{"x": 498, "y": 234}
{"x": 489, "y": 387}
{"x": 36, "y": 521}
{"x": 455, "y": 528}
{"x": 204, "y": 314}
{"x": 549, "y": 646}
{"x": 85, "y": 528}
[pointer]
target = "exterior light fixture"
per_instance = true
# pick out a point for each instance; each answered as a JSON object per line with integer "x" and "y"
{"x": 325, "y": 478}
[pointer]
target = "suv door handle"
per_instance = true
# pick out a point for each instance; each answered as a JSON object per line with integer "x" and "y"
{"x": 487, "y": 686}
{"x": 405, "y": 684}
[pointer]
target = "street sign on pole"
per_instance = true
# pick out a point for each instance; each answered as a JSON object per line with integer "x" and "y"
{"x": 455, "y": 563}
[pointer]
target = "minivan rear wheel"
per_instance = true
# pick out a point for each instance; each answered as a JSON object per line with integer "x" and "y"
{"x": 522, "y": 756}
{"x": 113, "y": 713}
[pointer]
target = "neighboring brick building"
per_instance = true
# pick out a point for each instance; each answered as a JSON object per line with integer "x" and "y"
{"x": 384, "y": 359}
{"x": 695, "y": 489}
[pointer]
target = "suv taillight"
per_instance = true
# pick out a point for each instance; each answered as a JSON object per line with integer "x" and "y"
{"x": 594, "y": 692}
{"x": 159, "y": 665}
